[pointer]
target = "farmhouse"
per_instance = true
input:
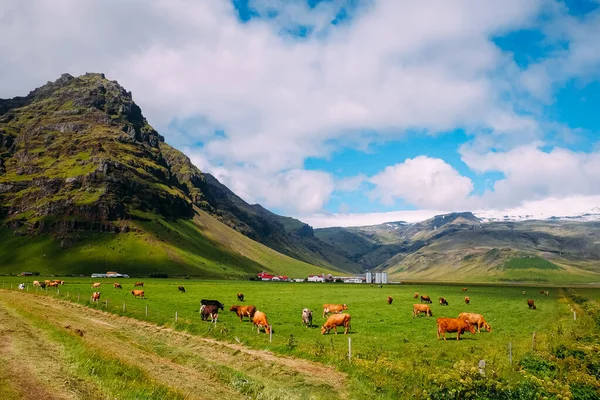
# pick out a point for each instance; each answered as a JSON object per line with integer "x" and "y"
{"x": 316, "y": 278}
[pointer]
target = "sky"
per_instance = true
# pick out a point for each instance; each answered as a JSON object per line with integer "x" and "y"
{"x": 346, "y": 112}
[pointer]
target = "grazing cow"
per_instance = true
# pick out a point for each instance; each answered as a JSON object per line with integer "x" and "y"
{"x": 58, "y": 281}
{"x": 22, "y": 286}
{"x": 524, "y": 293}
{"x": 138, "y": 293}
{"x": 531, "y": 304}
{"x": 181, "y": 289}
{"x": 390, "y": 299}
{"x": 96, "y": 285}
{"x": 443, "y": 301}
{"x": 47, "y": 281}
{"x": 240, "y": 296}
{"x": 138, "y": 284}
{"x": 426, "y": 299}
{"x": 476, "y": 320}
{"x": 306, "y": 317}
{"x": 36, "y": 283}
{"x": 421, "y": 308}
{"x": 416, "y": 295}
{"x": 467, "y": 299}
{"x": 334, "y": 321}
{"x": 546, "y": 293}
{"x": 96, "y": 296}
{"x": 117, "y": 286}
{"x": 464, "y": 289}
{"x": 453, "y": 325}
{"x": 260, "y": 321}
{"x": 333, "y": 309}
{"x": 243, "y": 311}
{"x": 43, "y": 285}
{"x": 541, "y": 292}
{"x": 53, "y": 284}
{"x": 213, "y": 303}
{"x": 211, "y": 311}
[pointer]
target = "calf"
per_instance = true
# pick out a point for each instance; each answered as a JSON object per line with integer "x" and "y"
{"x": 453, "y": 325}
{"x": 213, "y": 303}
{"x": 531, "y": 304}
{"x": 541, "y": 292}
{"x": 181, "y": 289}
{"x": 117, "y": 286}
{"x": 416, "y": 295}
{"x": 426, "y": 299}
{"x": 211, "y": 311}
{"x": 96, "y": 296}
{"x": 476, "y": 320}
{"x": 443, "y": 301}
{"x": 421, "y": 308}
{"x": 333, "y": 309}
{"x": 334, "y": 321}
{"x": 260, "y": 321}
{"x": 243, "y": 311}
{"x": 96, "y": 285}
{"x": 138, "y": 284}
{"x": 307, "y": 317}
{"x": 546, "y": 293}
{"x": 467, "y": 300}
{"x": 240, "y": 296}
{"x": 464, "y": 289}
{"x": 138, "y": 293}
{"x": 390, "y": 299}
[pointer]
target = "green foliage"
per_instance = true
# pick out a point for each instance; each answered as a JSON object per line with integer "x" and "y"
{"x": 537, "y": 365}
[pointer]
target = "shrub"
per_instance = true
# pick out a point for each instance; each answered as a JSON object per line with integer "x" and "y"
{"x": 537, "y": 365}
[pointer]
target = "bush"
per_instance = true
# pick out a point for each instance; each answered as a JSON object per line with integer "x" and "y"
{"x": 537, "y": 365}
{"x": 158, "y": 275}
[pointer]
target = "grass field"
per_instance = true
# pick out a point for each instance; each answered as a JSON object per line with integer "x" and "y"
{"x": 393, "y": 355}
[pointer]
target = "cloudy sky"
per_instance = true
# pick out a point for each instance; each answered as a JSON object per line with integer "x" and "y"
{"x": 345, "y": 112}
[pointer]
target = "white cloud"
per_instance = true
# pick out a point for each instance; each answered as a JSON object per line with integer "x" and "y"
{"x": 350, "y": 184}
{"x": 365, "y": 219}
{"x": 423, "y": 182}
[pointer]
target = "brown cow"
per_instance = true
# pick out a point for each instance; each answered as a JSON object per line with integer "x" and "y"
{"x": 334, "y": 321}
{"x": 117, "y": 286}
{"x": 531, "y": 304}
{"x": 333, "y": 309}
{"x": 138, "y": 293}
{"x": 181, "y": 289}
{"x": 240, "y": 296}
{"x": 426, "y": 299}
{"x": 96, "y": 285}
{"x": 211, "y": 311}
{"x": 541, "y": 292}
{"x": 464, "y": 289}
{"x": 467, "y": 299}
{"x": 390, "y": 299}
{"x": 453, "y": 325}
{"x": 421, "y": 308}
{"x": 58, "y": 281}
{"x": 260, "y": 321}
{"x": 53, "y": 284}
{"x": 416, "y": 295}
{"x": 476, "y": 320}
{"x": 96, "y": 296}
{"x": 36, "y": 283}
{"x": 443, "y": 301}
{"x": 244, "y": 311}
{"x": 138, "y": 284}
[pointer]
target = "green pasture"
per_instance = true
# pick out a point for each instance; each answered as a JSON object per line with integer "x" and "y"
{"x": 392, "y": 352}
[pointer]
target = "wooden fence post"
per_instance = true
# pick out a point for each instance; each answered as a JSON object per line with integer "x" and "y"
{"x": 270, "y": 334}
{"x": 146, "y": 311}
{"x": 123, "y": 307}
{"x": 533, "y": 341}
{"x": 574, "y": 315}
{"x": 349, "y": 348}
{"x": 176, "y": 316}
{"x": 510, "y": 353}
{"x": 77, "y": 297}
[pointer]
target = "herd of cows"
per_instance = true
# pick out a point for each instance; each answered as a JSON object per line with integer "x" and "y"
{"x": 466, "y": 322}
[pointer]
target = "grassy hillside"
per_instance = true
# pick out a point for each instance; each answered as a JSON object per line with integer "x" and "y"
{"x": 201, "y": 247}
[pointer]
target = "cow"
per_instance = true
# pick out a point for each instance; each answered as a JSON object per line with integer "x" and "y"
{"x": 243, "y": 311}
{"x": 421, "y": 308}
{"x": 138, "y": 293}
{"x": 22, "y": 286}
{"x": 213, "y": 303}
{"x": 476, "y": 320}
{"x": 36, "y": 283}
{"x": 58, "y": 281}
{"x": 47, "y": 281}
{"x": 524, "y": 293}
{"x": 96, "y": 285}
{"x": 467, "y": 300}
{"x": 260, "y": 321}
{"x": 181, "y": 289}
{"x": 416, "y": 295}
{"x": 443, "y": 301}
{"x": 53, "y": 284}
{"x": 546, "y": 293}
{"x": 531, "y": 304}
{"x": 96, "y": 296}
{"x": 306, "y": 317}
{"x": 138, "y": 284}
{"x": 426, "y": 299}
{"x": 541, "y": 292}
{"x": 211, "y": 311}
{"x": 117, "y": 286}
{"x": 390, "y": 299}
{"x": 43, "y": 285}
{"x": 334, "y": 321}
{"x": 333, "y": 309}
{"x": 464, "y": 289}
{"x": 453, "y": 325}
{"x": 240, "y": 296}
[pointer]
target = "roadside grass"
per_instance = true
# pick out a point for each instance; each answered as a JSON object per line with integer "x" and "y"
{"x": 392, "y": 353}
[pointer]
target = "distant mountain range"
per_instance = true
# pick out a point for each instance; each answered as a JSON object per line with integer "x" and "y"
{"x": 87, "y": 185}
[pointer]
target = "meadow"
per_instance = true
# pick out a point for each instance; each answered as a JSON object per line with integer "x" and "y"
{"x": 393, "y": 354}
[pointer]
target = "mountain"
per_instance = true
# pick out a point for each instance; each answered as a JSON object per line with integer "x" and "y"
{"x": 463, "y": 247}
{"x": 87, "y": 185}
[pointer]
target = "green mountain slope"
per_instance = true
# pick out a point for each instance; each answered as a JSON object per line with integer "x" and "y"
{"x": 86, "y": 180}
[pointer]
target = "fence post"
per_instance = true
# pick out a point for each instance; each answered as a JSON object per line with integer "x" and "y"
{"x": 146, "y": 311}
{"x": 270, "y": 334}
{"x": 510, "y": 353}
{"x": 349, "y": 348}
{"x": 533, "y": 341}
{"x": 123, "y": 307}
{"x": 77, "y": 297}
{"x": 106, "y": 303}
{"x": 574, "y": 315}
{"x": 176, "y": 316}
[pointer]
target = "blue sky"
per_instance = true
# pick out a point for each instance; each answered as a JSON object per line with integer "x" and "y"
{"x": 348, "y": 112}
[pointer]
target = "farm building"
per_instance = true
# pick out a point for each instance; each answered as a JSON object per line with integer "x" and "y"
{"x": 316, "y": 278}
